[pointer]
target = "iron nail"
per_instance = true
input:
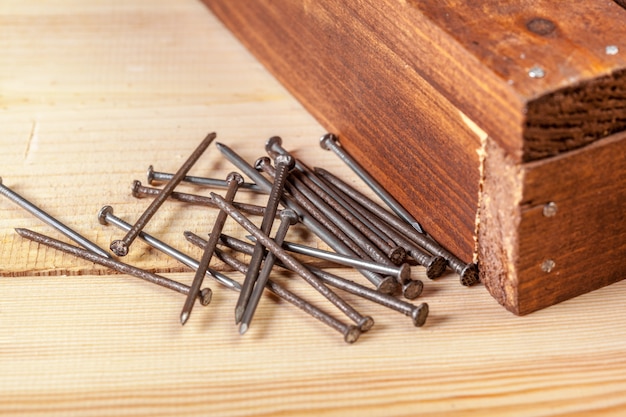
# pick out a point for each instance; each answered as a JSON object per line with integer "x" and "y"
{"x": 418, "y": 313}
{"x": 120, "y": 247}
{"x": 157, "y": 177}
{"x": 288, "y": 217}
{"x": 435, "y": 265}
{"x": 205, "y": 294}
{"x": 283, "y": 168}
{"x": 468, "y": 272}
{"x": 335, "y": 222}
{"x": 395, "y": 253}
{"x": 350, "y": 332}
{"x": 330, "y": 142}
{"x": 106, "y": 216}
{"x": 387, "y": 285}
{"x": 290, "y": 262}
{"x": 233, "y": 179}
{"x": 139, "y": 191}
{"x": 51, "y": 221}
{"x": 402, "y": 273}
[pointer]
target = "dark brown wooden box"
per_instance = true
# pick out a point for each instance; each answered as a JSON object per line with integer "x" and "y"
{"x": 497, "y": 124}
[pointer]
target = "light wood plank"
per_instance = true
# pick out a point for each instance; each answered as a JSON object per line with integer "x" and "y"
{"x": 93, "y": 92}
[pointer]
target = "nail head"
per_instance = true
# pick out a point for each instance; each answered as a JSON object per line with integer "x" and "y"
{"x": 326, "y": 139}
{"x": 102, "y": 214}
{"x": 550, "y": 209}
{"x": 548, "y": 265}
{"x": 536, "y": 72}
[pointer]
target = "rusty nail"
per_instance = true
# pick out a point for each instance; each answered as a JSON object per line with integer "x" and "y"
{"x": 233, "y": 179}
{"x": 51, "y": 221}
{"x": 106, "y": 216}
{"x": 139, "y": 191}
{"x": 205, "y": 294}
{"x": 387, "y": 285}
{"x": 155, "y": 176}
{"x": 291, "y": 262}
{"x": 283, "y": 168}
{"x": 330, "y": 142}
{"x": 120, "y": 246}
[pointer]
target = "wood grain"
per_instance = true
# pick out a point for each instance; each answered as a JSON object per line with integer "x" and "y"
{"x": 346, "y": 78}
{"x": 113, "y": 87}
{"x": 585, "y": 238}
{"x": 391, "y": 78}
{"x": 580, "y": 97}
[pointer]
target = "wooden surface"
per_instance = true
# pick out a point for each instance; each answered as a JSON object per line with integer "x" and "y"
{"x": 91, "y": 93}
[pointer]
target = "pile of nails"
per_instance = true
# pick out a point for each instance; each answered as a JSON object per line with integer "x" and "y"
{"x": 381, "y": 243}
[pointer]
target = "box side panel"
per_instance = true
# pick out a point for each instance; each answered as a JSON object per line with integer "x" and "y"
{"x": 572, "y": 234}
{"x": 412, "y": 139}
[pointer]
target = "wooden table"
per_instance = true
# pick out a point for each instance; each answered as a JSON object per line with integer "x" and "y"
{"x": 91, "y": 93}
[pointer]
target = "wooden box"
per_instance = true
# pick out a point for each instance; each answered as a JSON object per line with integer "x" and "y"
{"x": 497, "y": 124}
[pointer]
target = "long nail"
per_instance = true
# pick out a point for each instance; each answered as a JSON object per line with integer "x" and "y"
{"x": 387, "y": 285}
{"x": 392, "y": 251}
{"x": 290, "y": 262}
{"x": 435, "y": 265}
{"x": 350, "y": 332}
{"x": 331, "y": 142}
{"x": 139, "y": 191}
{"x": 233, "y": 179}
{"x": 120, "y": 247}
{"x": 395, "y": 253}
{"x": 283, "y": 167}
{"x": 287, "y": 218}
{"x": 205, "y": 295}
{"x": 339, "y": 224}
{"x": 154, "y": 176}
{"x": 106, "y": 216}
{"x": 315, "y": 211}
{"x": 48, "y": 219}
{"x": 336, "y": 236}
{"x": 417, "y": 313}
{"x": 468, "y": 271}
{"x": 402, "y": 273}
{"x": 364, "y": 219}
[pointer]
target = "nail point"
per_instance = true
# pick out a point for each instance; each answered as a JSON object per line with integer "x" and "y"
{"x": 184, "y": 317}
{"x": 239, "y": 310}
